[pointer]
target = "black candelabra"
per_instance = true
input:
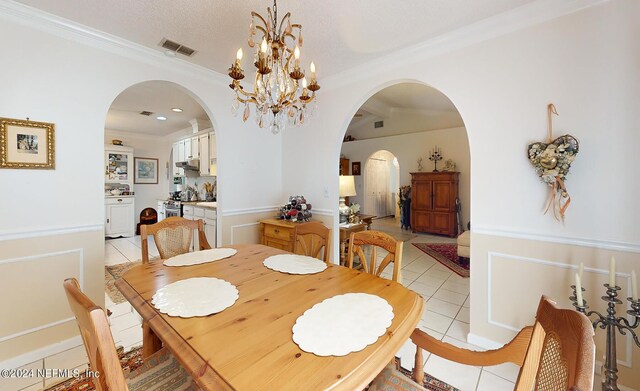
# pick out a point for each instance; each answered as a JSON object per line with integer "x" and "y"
{"x": 435, "y": 156}
{"x": 610, "y": 322}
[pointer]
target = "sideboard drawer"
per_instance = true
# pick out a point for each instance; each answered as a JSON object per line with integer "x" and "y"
{"x": 277, "y": 232}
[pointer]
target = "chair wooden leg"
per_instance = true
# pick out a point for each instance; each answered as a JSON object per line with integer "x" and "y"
{"x": 150, "y": 341}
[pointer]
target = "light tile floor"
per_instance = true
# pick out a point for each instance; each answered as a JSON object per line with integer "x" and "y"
{"x": 446, "y": 314}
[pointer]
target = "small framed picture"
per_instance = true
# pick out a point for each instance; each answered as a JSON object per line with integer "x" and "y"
{"x": 27, "y": 144}
{"x": 355, "y": 168}
{"x": 145, "y": 170}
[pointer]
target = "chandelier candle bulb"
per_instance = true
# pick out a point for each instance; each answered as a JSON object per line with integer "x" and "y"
{"x": 312, "y": 68}
{"x": 612, "y": 272}
{"x": 579, "y": 291}
{"x": 279, "y": 101}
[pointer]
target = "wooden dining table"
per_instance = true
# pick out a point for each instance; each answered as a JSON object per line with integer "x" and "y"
{"x": 249, "y": 345}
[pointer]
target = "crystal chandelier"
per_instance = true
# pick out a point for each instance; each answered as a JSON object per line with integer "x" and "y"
{"x": 281, "y": 94}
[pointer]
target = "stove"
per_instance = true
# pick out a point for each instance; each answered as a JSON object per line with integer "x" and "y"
{"x": 173, "y": 208}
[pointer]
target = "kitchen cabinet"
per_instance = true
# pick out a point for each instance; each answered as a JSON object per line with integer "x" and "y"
{"x": 195, "y": 148}
{"x": 208, "y": 216}
{"x": 118, "y": 164}
{"x": 213, "y": 151}
{"x": 119, "y": 217}
{"x": 210, "y": 226}
{"x": 176, "y": 170}
{"x": 205, "y": 165}
{"x": 433, "y": 202}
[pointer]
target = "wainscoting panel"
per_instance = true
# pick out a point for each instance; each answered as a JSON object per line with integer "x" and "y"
{"x": 35, "y": 312}
{"x": 509, "y": 275}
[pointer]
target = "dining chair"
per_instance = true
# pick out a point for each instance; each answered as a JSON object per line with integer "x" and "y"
{"x": 161, "y": 371}
{"x": 556, "y": 353}
{"x": 173, "y": 236}
{"x": 375, "y": 239}
{"x": 310, "y": 239}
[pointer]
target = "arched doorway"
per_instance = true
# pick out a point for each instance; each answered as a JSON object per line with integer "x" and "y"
{"x": 142, "y": 126}
{"x": 381, "y": 182}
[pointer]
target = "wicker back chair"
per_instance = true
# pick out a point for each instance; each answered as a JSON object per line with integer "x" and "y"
{"x": 376, "y": 239}
{"x": 173, "y": 236}
{"x": 159, "y": 371}
{"x": 556, "y": 353}
{"x": 310, "y": 239}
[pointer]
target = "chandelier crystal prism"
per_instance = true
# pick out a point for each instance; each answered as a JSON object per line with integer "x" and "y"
{"x": 281, "y": 94}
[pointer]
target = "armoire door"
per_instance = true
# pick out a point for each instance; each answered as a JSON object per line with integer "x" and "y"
{"x": 442, "y": 200}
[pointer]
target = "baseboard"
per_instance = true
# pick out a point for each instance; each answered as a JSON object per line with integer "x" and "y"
{"x": 483, "y": 342}
{"x": 39, "y": 354}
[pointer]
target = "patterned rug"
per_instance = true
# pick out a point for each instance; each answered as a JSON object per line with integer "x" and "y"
{"x": 129, "y": 362}
{"x": 430, "y": 382}
{"x": 111, "y": 274}
{"x": 446, "y": 254}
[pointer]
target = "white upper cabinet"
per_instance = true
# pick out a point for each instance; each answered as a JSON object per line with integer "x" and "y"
{"x": 213, "y": 154}
{"x": 204, "y": 154}
{"x": 118, "y": 164}
{"x": 195, "y": 149}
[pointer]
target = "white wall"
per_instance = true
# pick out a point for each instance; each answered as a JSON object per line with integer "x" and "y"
{"x": 147, "y": 146}
{"x": 408, "y": 148}
{"x": 56, "y": 73}
{"x": 587, "y": 64}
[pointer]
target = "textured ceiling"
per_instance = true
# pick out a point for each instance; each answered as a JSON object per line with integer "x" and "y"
{"x": 158, "y": 97}
{"x": 338, "y": 34}
{"x": 425, "y": 107}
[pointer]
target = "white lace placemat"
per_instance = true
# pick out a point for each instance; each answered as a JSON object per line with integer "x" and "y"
{"x": 294, "y": 264}
{"x": 198, "y": 296}
{"x": 342, "y": 324}
{"x": 199, "y": 257}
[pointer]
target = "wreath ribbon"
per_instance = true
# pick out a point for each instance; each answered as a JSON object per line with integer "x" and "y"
{"x": 558, "y": 206}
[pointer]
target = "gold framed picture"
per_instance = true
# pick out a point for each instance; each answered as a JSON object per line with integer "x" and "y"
{"x": 27, "y": 144}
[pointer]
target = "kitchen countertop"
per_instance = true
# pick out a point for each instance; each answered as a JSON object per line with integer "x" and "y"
{"x": 202, "y": 204}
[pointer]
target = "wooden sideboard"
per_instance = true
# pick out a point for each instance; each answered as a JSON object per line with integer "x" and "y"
{"x": 277, "y": 233}
{"x": 433, "y": 202}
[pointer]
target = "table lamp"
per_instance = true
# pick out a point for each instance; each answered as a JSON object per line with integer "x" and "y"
{"x": 347, "y": 189}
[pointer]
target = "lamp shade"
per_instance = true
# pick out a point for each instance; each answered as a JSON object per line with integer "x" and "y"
{"x": 347, "y": 186}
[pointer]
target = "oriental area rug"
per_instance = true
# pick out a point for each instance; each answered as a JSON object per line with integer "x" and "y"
{"x": 133, "y": 360}
{"x": 129, "y": 362}
{"x": 111, "y": 274}
{"x": 446, "y": 254}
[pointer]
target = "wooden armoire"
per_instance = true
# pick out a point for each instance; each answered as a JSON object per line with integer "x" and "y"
{"x": 433, "y": 202}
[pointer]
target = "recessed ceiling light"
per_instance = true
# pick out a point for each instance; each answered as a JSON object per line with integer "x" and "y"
{"x": 161, "y": 118}
{"x": 177, "y": 110}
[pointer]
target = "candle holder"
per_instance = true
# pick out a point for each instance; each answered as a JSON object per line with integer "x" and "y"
{"x": 435, "y": 157}
{"x": 610, "y": 322}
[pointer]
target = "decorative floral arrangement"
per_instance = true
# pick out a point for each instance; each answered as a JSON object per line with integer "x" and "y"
{"x": 404, "y": 193}
{"x": 552, "y": 161}
{"x": 355, "y": 208}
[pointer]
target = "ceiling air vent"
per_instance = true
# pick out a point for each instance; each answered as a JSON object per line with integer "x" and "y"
{"x": 378, "y": 124}
{"x": 177, "y": 47}
{"x": 146, "y": 113}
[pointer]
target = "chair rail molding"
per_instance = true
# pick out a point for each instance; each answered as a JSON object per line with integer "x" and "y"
{"x": 574, "y": 241}
{"x": 36, "y": 233}
{"x": 517, "y": 258}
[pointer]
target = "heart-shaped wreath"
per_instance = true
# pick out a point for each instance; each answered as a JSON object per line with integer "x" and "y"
{"x": 552, "y": 161}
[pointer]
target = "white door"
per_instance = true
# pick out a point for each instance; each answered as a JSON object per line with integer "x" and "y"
{"x": 376, "y": 200}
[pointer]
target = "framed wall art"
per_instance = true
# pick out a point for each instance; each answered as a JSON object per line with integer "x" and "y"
{"x": 145, "y": 170}
{"x": 27, "y": 144}
{"x": 355, "y": 168}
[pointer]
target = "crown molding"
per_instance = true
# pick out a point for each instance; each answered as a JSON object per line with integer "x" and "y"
{"x": 67, "y": 29}
{"x": 531, "y": 14}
